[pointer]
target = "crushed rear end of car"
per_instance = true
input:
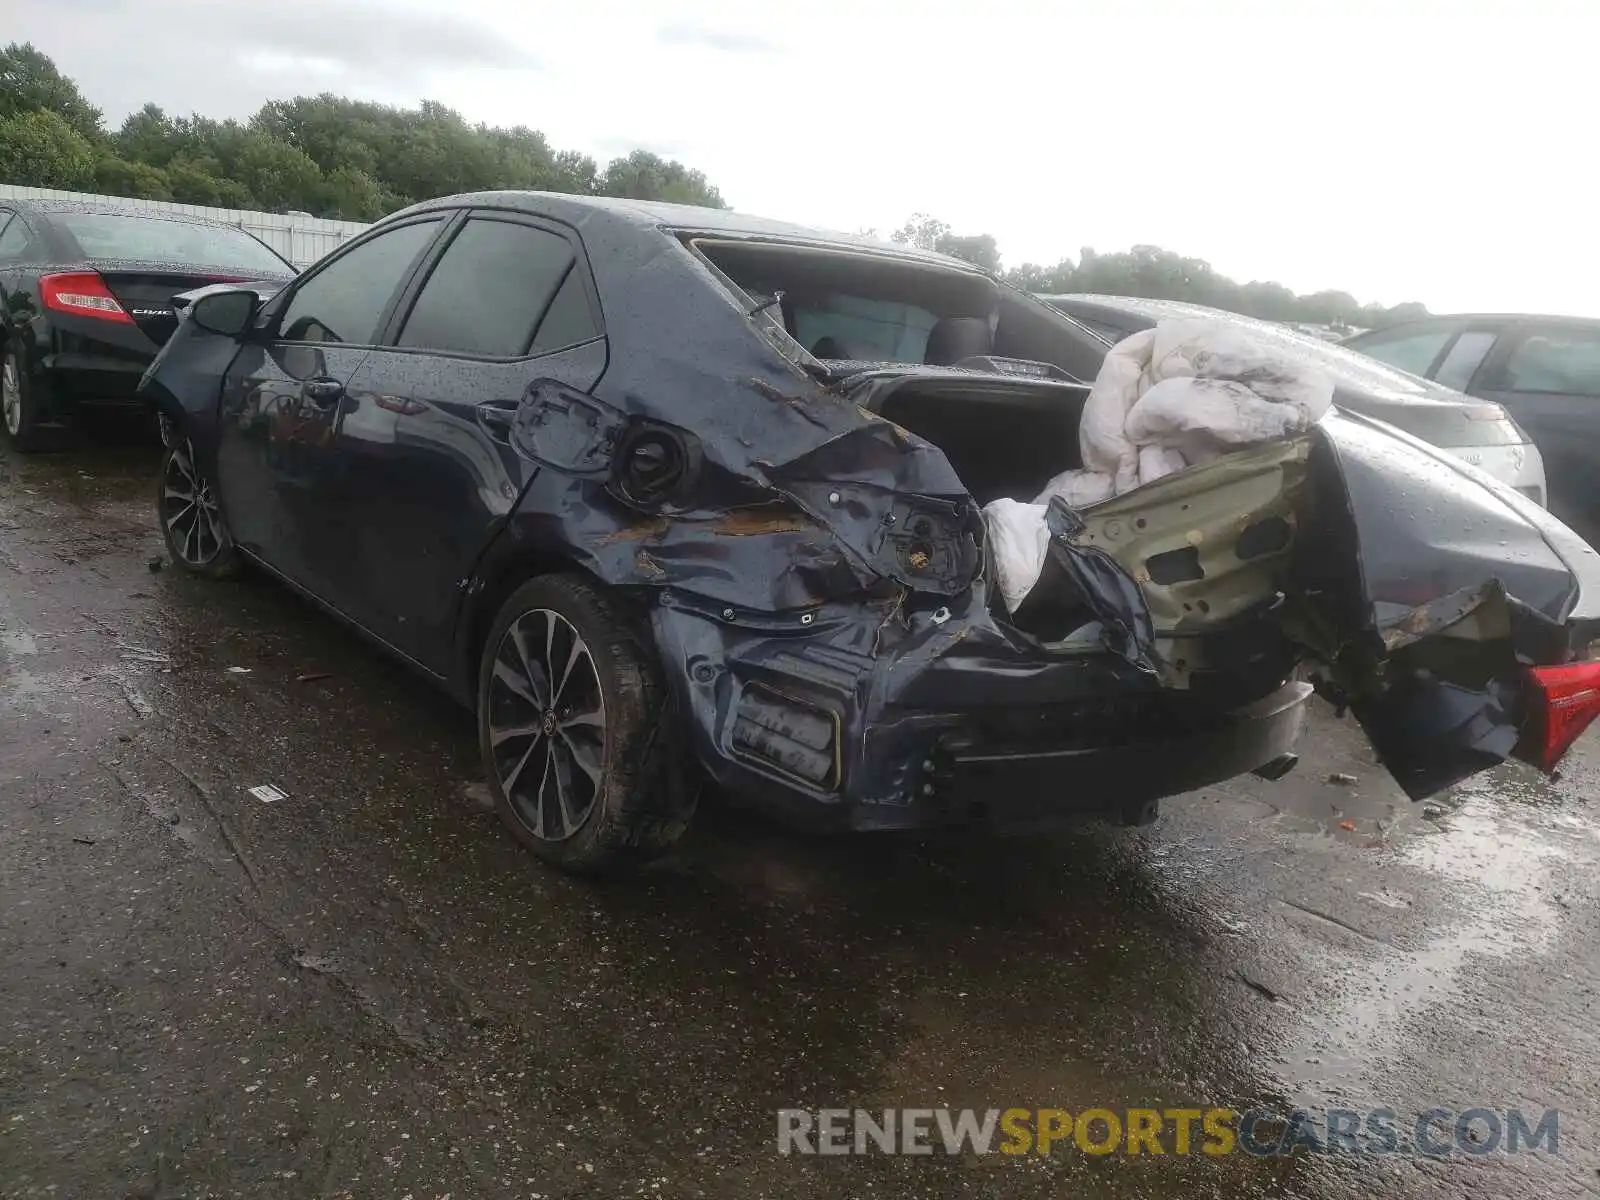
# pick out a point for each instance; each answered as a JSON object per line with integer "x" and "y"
{"x": 832, "y": 632}
{"x": 806, "y": 541}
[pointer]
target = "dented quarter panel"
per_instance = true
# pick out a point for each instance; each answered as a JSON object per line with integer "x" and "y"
{"x": 700, "y": 363}
{"x": 1446, "y": 584}
{"x": 1426, "y": 528}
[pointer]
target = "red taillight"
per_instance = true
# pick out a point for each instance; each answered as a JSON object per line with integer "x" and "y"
{"x": 1561, "y": 703}
{"x": 83, "y": 294}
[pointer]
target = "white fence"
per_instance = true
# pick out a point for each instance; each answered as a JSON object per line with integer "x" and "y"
{"x": 299, "y": 238}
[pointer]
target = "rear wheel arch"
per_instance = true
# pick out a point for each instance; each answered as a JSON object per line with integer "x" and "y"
{"x": 162, "y": 404}
{"x": 492, "y": 586}
{"x": 613, "y": 690}
{"x": 27, "y": 402}
{"x": 191, "y": 524}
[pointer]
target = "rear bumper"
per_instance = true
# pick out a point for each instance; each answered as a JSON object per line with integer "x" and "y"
{"x": 956, "y": 726}
{"x": 1020, "y": 789}
{"x": 95, "y": 378}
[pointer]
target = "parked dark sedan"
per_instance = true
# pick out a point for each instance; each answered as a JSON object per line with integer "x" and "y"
{"x": 86, "y": 300}
{"x": 667, "y": 493}
{"x": 1544, "y": 370}
{"x": 1481, "y": 433}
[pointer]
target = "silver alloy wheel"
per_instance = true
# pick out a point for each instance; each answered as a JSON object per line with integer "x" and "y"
{"x": 547, "y": 724}
{"x": 190, "y": 509}
{"x": 11, "y": 395}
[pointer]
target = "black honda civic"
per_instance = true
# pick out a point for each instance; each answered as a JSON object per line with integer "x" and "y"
{"x": 669, "y": 495}
{"x": 86, "y": 300}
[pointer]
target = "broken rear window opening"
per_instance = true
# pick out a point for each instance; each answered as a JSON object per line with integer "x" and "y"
{"x": 881, "y": 307}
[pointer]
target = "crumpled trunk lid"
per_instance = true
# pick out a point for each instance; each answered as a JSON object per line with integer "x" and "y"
{"x": 1420, "y": 591}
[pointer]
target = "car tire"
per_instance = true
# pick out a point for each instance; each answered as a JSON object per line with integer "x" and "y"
{"x": 190, "y": 518}
{"x": 579, "y": 733}
{"x": 19, "y": 407}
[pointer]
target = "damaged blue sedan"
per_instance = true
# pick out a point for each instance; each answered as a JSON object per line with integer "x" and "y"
{"x": 669, "y": 494}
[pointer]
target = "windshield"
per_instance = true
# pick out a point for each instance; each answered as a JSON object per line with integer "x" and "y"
{"x": 158, "y": 239}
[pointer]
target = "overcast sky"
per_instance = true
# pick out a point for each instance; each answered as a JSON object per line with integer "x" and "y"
{"x": 1396, "y": 149}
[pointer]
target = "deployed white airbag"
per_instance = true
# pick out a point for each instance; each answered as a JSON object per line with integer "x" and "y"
{"x": 1165, "y": 399}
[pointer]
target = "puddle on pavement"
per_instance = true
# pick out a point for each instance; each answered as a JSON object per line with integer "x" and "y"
{"x": 1499, "y": 853}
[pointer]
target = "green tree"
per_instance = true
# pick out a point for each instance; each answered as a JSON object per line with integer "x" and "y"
{"x": 1154, "y": 273}
{"x": 324, "y": 154}
{"x": 1270, "y": 301}
{"x": 331, "y": 131}
{"x": 979, "y": 248}
{"x": 30, "y": 82}
{"x": 350, "y": 194}
{"x": 646, "y": 176}
{"x": 40, "y": 149}
{"x": 148, "y": 136}
{"x": 115, "y": 176}
{"x": 199, "y": 181}
{"x": 928, "y": 233}
{"x": 1411, "y": 310}
{"x": 1048, "y": 281}
{"x": 274, "y": 172}
{"x": 921, "y": 231}
{"x": 575, "y": 172}
{"x": 1328, "y": 308}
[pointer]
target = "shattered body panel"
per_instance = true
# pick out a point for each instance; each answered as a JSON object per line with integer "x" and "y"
{"x": 815, "y": 576}
{"x": 1444, "y": 585}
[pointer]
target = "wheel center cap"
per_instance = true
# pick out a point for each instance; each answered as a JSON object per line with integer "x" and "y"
{"x": 550, "y": 722}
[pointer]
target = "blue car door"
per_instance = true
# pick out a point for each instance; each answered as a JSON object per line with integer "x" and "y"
{"x": 285, "y": 395}
{"x": 428, "y": 471}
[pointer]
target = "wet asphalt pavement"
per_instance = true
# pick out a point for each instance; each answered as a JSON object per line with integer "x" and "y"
{"x": 365, "y": 988}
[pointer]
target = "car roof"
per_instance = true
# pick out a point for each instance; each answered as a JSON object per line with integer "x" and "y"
{"x": 1165, "y": 309}
{"x": 645, "y": 215}
{"x": 1352, "y": 372}
{"x": 49, "y": 208}
{"x": 1472, "y": 318}
{"x": 1155, "y": 310}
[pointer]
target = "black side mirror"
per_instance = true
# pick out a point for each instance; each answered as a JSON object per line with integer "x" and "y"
{"x": 227, "y": 313}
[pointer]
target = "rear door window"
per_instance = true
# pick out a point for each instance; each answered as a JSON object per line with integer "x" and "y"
{"x": 345, "y": 301}
{"x": 570, "y": 319}
{"x": 490, "y": 291}
{"x": 1563, "y": 360}
{"x": 1409, "y": 349}
{"x": 1464, "y": 359}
